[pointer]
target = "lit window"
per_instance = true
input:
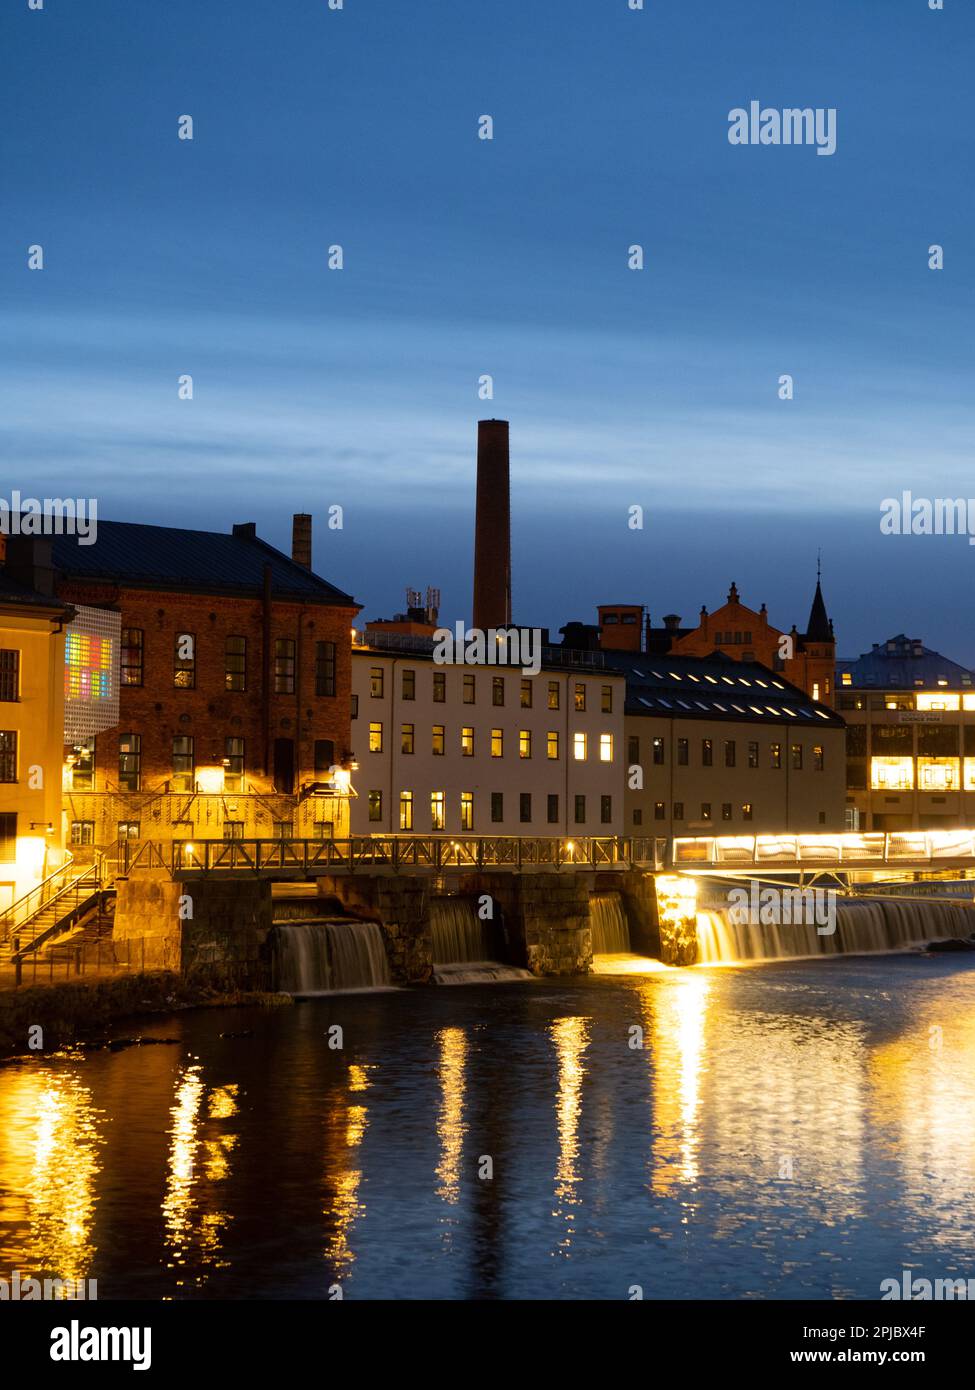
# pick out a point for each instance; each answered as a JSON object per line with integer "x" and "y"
{"x": 892, "y": 774}
{"x": 406, "y": 810}
{"x": 437, "y": 739}
{"x": 467, "y": 810}
{"x": 553, "y": 694}
{"x": 467, "y": 742}
{"x": 375, "y": 738}
{"x": 525, "y": 743}
{"x": 580, "y": 696}
{"x": 497, "y": 743}
{"x": 937, "y": 774}
{"x": 552, "y": 744}
{"x": 437, "y": 821}
{"x": 605, "y": 748}
{"x": 579, "y": 747}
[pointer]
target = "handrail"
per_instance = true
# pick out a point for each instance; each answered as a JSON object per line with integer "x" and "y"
{"x": 92, "y": 876}
{"x": 12, "y": 910}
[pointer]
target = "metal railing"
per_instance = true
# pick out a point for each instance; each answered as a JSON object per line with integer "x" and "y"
{"x": 35, "y": 900}
{"x": 394, "y": 853}
{"x": 88, "y": 959}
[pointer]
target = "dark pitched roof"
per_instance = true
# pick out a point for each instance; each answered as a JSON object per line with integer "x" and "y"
{"x": 715, "y": 687}
{"x": 819, "y": 628}
{"x": 902, "y": 663}
{"x": 13, "y": 594}
{"x": 169, "y": 557}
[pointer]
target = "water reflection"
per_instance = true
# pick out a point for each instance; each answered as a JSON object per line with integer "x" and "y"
{"x": 450, "y": 1119}
{"x": 675, "y": 1012}
{"x": 346, "y": 1121}
{"x": 50, "y": 1141}
{"x": 571, "y": 1038}
{"x": 198, "y": 1162}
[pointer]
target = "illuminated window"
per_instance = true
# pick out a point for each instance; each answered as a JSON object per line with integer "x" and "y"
{"x": 437, "y": 821}
{"x": 406, "y": 738}
{"x": 553, "y": 695}
{"x": 579, "y": 747}
{"x": 437, "y": 740}
{"x": 406, "y": 810}
{"x": 129, "y": 762}
{"x": 128, "y": 829}
{"x": 183, "y": 763}
{"x": 525, "y": 743}
{"x": 580, "y": 696}
{"x": 467, "y": 742}
{"x": 775, "y": 755}
{"x": 284, "y": 666}
{"x": 235, "y": 663}
{"x": 467, "y": 810}
{"x": 131, "y": 661}
{"x": 605, "y": 748}
{"x": 937, "y": 774}
{"x": 892, "y": 774}
{"x": 375, "y": 738}
{"x": 815, "y": 690}
{"x": 375, "y": 805}
{"x": 846, "y": 678}
{"x": 83, "y": 768}
{"x": 657, "y": 746}
{"x": 552, "y": 744}
{"x": 233, "y": 774}
{"x": 746, "y": 810}
{"x": 82, "y": 832}
{"x": 497, "y": 743}
{"x": 797, "y": 757}
{"x": 184, "y": 661}
{"x": 970, "y": 774}
{"x": 937, "y": 700}
{"x": 818, "y": 758}
{"x": 705, "y": 810}
{"x": 87, "y": 667}
{"x": 526, "y": 694}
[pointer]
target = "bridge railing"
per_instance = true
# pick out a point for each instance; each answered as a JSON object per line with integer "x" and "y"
{"x": 779, "y": 851}
{"x": 395, "y": 853}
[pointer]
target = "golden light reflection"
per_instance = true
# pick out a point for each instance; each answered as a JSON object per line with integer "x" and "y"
{"x": 193, "y": 1221}
{"x": 343, "y": 1205}
{"x": 450, "y": 1120}
{"x": 675, "y": 1024}
{"x": 922, "y": 1095}
{"x": 50, "y": 1137}
{"x": 571, "y": 1038}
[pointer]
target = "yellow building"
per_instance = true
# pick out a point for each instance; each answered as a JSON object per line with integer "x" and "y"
{"x": 32, "y": 624}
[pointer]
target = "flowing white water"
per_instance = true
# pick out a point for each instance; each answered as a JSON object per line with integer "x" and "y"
{"x": 607, "y": 921}
{"x": 322, "y": 957}
{"x": 464, "y": 948}
{"x": 863, "y": 926}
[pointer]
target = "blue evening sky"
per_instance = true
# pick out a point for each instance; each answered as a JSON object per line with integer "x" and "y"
{"x": 314, "y": 387}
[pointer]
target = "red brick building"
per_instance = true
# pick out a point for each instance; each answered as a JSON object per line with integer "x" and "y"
{"x": 234, "y": 688}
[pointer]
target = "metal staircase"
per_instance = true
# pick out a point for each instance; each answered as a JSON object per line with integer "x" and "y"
{"x": 54, "y": 907}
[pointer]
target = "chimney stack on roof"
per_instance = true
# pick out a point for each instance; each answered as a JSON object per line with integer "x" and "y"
{"x": 301, "y": 539}
{"x": 492, "y": 528}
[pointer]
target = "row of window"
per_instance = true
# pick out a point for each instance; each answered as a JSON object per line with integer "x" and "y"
{"x": 377, "y": 685}
{"x": 8, "y": 755}
{"x": 83, "y": 831}
{"x": 908, "y": 774}
{"x": 438, "y": 742}
{"x": 746, "y": 812}
{"x": 183, "y": 763}
{"x": 132, "y": 663}
{"x": 729, "y": 753}
{"x": 438, "y": 811}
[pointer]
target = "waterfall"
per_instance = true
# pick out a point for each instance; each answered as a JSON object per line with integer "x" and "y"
{"x": 465, "y": 948}
{"x": 863, "y": 925}
{"x": 315, "y": 957}
{"x": 607, "y": 920}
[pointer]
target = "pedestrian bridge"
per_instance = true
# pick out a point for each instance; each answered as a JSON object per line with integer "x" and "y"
{"x": 905, "y": 850}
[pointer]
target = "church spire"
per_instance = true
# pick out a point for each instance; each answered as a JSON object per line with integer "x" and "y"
{"x": 819, "y": 628}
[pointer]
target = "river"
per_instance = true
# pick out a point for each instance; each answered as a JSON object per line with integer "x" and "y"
{"x": 797, "y": 1129}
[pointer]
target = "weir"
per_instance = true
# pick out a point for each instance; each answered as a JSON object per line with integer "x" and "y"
{"x": 322, "y": 957}
{"x": 607, "y": 920}
{"x": 466, "y": 949}
{"x": 863, "y": 926}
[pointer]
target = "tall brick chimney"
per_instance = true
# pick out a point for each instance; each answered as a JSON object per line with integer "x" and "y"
{"x": 492, "y": 527}
{"x": 301, "y": 539}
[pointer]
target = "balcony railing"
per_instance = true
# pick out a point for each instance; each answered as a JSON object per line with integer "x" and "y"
{"x": 907, "y": 847}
